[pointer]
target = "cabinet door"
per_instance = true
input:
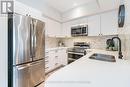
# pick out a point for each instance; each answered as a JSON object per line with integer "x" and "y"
{"x": 109, "y": 23}
{"x": 63, "y": 57}
{"x": 57, "y": 58}
{"x": 94, "y": 25}
{"x": 51, "y": 60}
{"x": 53, "y": 28}
{"x": 58, "y": 29}
{"x": 66, "y": 29}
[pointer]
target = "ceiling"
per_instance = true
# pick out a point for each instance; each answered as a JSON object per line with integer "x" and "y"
{"x": 65, "y": 5}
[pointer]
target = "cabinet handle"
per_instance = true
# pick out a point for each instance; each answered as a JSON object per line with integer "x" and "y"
{"x": 47, "y": 57}
{"x": 46, "y": 61}
{"x": 56, "y": 51}
{"x": 56, "y": 56}
{"x": 46, "y": 67}
{"x": 56, "y": 64}
{"x": 47, "y": 52}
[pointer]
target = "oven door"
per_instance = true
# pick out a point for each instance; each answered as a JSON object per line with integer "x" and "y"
{"x": 74, "y": 56}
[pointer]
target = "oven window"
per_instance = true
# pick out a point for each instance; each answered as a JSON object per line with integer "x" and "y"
{"x": 74, "y": 56}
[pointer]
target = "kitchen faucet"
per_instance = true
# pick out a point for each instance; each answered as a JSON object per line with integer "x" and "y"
{"x": 120, "y": 53}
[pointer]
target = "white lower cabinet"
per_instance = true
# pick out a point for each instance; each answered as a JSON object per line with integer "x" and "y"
{"x": 55, "y": 58}
{"x": 63, "y": 57}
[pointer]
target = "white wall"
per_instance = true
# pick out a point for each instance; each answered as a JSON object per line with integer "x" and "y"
{"x": 3, "y": 51}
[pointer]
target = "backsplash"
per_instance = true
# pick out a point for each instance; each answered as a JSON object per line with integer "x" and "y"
{"x": 51, "y": 42}
{"x": 97, "y": 42}
{"x": 124, "y": 33}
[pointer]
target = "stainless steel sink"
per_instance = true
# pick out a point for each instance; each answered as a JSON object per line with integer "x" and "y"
{"x": 103, "y": 57}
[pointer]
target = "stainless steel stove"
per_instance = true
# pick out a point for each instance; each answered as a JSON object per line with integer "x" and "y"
{"x": 78, "y": 51}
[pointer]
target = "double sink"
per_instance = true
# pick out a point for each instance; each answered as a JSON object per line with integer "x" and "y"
{"x": 103, "y": 57}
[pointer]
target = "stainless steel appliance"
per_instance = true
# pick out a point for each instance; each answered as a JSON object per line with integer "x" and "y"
{"x": 28, "y": 50}
{"x": 81, "y": 30}
{"x": 78, "y": 51}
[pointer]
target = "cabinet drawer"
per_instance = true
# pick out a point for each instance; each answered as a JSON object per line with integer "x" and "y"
{"x": 46, "y": 57}
{"x": 47, "y": 69}
{"x": 46, "y": 62}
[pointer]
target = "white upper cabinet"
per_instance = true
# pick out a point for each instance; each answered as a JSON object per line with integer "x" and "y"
{"x": 106, "y": 5}
{"x": 53, "y": 28}
{"x": 101, "y": 24}
{"x": 66, "y": 27}
{"x": 94, "y": 25}
{"x": 109, "y": 23}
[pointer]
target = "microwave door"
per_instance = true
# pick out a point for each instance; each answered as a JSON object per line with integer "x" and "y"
{"x": 21, "y": 39}
{"x": 38, "y": 40}
{"x": 78, "y": 31}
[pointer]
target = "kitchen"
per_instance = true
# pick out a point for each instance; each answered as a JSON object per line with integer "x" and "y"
{"x": 75, "y": 32}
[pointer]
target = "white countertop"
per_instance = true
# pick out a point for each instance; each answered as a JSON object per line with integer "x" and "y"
{"x": 55, "y": 48}
{"x": 92, "y": 73}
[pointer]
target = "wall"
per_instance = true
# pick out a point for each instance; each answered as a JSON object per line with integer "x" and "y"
{"x": 3, "y": 51}
{"x": 96, "y": 42}
{"x": 51, "y": 42}
{"x": 124, "y": 33}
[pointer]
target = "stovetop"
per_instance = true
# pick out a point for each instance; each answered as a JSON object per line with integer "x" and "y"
{"x": 79, "y": 47}
{"x": 76, "y": 49}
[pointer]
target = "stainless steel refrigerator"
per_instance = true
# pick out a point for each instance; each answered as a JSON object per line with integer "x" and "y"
{"x": 28, "y": 51}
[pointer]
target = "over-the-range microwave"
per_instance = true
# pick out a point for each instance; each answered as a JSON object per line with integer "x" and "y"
{"x": 80, "y": 30}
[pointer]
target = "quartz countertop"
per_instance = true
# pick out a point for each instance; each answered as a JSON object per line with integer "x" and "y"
{"x": 86, "y": 72}
{"x": 55, "y": 48}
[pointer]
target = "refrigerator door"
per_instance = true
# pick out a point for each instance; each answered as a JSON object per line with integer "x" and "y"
{"x": 22, "y": 76}
{"x": 37, "y": 72}
{"x": 39, "y": 39}
{"x": 21, "y": 39}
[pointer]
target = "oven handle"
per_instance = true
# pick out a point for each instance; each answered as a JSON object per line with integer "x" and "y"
{"x": 76, "y": 53}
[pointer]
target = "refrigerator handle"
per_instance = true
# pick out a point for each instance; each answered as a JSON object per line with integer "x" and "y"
{"x": 31, "y": 40}
{"x": 34, "y": 39}
{"x": 23, "y": 67}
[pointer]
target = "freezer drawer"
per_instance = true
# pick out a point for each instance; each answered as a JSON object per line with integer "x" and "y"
{"x": 37, "y": 72}
{"x": 22, "y": 76}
